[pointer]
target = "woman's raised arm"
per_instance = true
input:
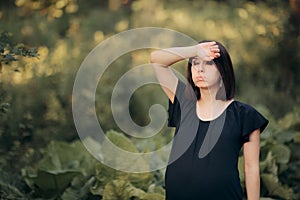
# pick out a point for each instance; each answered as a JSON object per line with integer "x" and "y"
{"x": 162, "y": 59}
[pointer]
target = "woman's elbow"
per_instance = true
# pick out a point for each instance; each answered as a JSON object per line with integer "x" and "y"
{"x": 251, "y": 168}
{"x": 154, "y": 57}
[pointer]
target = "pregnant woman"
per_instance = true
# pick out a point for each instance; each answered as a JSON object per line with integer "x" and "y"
{"x": 211, "y": 126}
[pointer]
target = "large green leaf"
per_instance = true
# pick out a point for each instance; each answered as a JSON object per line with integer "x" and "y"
{"x": 269, "y": 165}
{"x": 61, "y": 163}
{"x": 106, "y": 175}
{"x": 113, "y": 158}
{"x": 67, "y": 156}
{"x": 290, "y": 120}
{"x": 79, "y": 189}
{"x": 54, "y": 180}
{"x": 123, "y": 190}
{"x": 281, "y": 152}
{"x": 121, "y": 141}
{"x": 275, "y": 188}
{"x": 285, "y": 136}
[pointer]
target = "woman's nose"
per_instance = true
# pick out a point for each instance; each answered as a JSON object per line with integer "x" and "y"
{"x": 201, "y": 68}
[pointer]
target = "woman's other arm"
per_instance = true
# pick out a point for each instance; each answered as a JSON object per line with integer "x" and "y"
{"x": 251, "y": 165}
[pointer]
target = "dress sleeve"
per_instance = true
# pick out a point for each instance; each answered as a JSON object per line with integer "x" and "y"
{"x": 174, "y": 108}
{"x": 252, "y": 120}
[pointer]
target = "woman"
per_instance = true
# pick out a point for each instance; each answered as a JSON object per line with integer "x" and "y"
{"x": 211, "y": 127}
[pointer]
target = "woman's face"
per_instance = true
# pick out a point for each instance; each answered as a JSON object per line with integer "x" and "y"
{"x": 205, "y": 74}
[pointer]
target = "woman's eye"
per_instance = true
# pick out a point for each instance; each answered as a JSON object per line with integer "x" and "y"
{"x": 210, "y": 62}
{"x": 196, "y": 63}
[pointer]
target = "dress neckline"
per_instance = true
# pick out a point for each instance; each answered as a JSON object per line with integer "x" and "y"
{"x": 215, "y": 118}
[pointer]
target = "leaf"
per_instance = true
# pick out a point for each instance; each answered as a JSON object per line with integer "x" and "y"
{"x": 46, "y": 183}
{"x": 54, "y": 180}
{"x": 113, "y": 158}
{"x": 106, "y": 174}
{"x": 68, "y": 156}
{"x": 269, "y": 164}
{"x": 241, "y": 170}
{"x": 297, "y": 138}
{"x": 285, "y": 136}
{"x": 281, "y": 153}
{"x": 153, "y": 196}
{"x": 153, "y": 188}
{"x": 79, "y": 189}
{"x": 61, "y": 163}
{"x": 121, "y": 141}
{"x": 122, "y": 190}
{"x": 275, "y": 188}
{"x": 291, "y": 119}
{"x": 4, "y": 107}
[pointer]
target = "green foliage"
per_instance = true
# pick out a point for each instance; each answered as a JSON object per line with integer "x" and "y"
{"x": 67, "y": 167}
{"x": 278, "y": 162}
{"x": 4, "y": 107}
{"x": 110, "y": 181}
{"x": 124, "y": 190}
{"x": 9, "y": 49}
{"x": 278, "y": 159}
{"x": 61, "y": 163}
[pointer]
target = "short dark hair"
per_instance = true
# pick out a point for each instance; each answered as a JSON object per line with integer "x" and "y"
{"x": 224, "y": 65}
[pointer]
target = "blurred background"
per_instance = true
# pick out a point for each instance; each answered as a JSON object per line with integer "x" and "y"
{"x": 44, "y": 42}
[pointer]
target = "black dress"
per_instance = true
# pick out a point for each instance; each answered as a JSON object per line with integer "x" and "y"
{"x": 203, "y": 163}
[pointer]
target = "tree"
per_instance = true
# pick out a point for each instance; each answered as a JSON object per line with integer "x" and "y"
{"x": 10, "y": 51}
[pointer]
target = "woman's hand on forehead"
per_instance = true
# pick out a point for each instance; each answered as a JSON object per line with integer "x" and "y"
{"x": 207, "y": 51}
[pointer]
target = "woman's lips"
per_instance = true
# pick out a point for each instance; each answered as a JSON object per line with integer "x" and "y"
{"x": 200, "y": 78}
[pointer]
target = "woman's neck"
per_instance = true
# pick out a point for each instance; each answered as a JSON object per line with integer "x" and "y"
{"x": 208, "y": 96}
{"x": 208, "y": 107}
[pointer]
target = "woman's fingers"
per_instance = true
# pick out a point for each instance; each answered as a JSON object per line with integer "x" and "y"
{"x": 214, "y": 51}
{"x": 214, "y": 48}
{"x": 209, "y": 43}
{"x": 208, "y": 51}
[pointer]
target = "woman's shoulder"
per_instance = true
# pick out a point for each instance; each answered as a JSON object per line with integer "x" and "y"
{"x": 250, "y": 118}
{"x": 242, "y": 107}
